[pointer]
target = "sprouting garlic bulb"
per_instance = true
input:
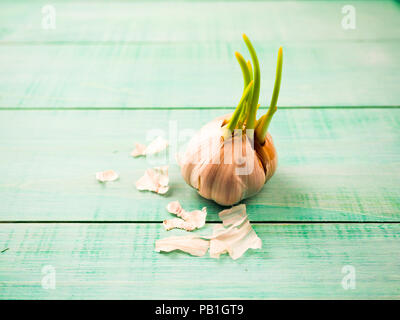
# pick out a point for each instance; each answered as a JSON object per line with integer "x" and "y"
{"x": 227, "y": 170}
{"x": 233, "y": 156}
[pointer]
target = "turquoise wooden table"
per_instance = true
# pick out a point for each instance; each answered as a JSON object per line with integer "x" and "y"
{"x": 76, "y": 94}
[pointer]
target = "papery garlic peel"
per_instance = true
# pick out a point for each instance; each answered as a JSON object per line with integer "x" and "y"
{"x": 233, "y": 156}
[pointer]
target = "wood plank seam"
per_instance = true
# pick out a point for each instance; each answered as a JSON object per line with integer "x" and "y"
{"x": 191, "y": 108}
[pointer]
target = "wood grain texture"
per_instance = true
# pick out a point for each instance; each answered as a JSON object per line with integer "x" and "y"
{"x": 333, "y": 165}
{"x": 174, "y": 63}
{"x": 195, "y": 75}
{"x": 197, "y": 21}
{"x": 119, "y": 261}
{"x": 129, "y": 55}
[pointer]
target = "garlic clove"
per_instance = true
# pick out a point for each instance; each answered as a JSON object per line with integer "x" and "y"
{"x": 268, "y": 156}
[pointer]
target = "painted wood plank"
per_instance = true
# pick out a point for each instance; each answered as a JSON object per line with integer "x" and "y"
{"x": 118, "y": 261}
{"x": 116, "y": 55}
{"x": 194, "y": 21}
{"x": 196, "y": 75}
{"x": 334, "y": 165}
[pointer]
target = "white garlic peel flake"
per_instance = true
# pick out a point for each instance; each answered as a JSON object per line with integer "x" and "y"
{"x": 140, "y": 150}
{"x": 235, "y": 240}
{"x": 156, "y": 146}
{"x": 155, "y": 180}
{"x": 234, "y": 236}
{"x": 177, "y": 223}
{"x": 187, "y": 220}
{"x": 233, "y": 216}
{"x": 227, "y": 171}
{"x": 237, "y": 237}
{"x": 108, "y": 175}
{"x": 190, "y": 244}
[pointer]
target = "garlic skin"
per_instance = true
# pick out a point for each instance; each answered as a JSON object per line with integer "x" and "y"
{"x": 211, "y": 165}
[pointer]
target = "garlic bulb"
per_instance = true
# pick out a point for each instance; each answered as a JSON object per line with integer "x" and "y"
{"x": 219, "y": 172}
{"x": 233, "y": 156}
